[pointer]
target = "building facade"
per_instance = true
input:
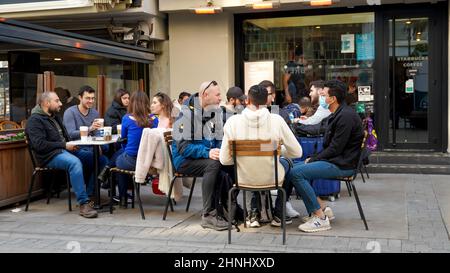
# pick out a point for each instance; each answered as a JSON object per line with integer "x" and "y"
{"x": 392, "y": 55}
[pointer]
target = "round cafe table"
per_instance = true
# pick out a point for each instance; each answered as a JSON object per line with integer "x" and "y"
{"x": 96, "y": 143}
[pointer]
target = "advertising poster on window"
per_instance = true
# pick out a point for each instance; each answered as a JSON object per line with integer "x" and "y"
{"x": 347, "y": 43}
{"x": 365, "y": 47}
{"x": 255, "y": 72}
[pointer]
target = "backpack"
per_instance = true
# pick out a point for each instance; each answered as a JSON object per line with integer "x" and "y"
{"x": 221, "y": 200}
{"x": 288, "y": 109}
{"x": 372, "y": 139}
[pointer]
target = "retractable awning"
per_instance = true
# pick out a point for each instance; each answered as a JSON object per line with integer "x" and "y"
{"x": 33, "y": 35}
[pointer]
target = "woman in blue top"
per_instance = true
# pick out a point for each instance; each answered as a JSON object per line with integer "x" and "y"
{"x": 133, "y": 124}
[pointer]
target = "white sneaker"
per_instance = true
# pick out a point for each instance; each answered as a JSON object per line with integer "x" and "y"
{"x": 327, "y": 211}
{"x": 290, "y": 211}
{"x": 315, "y": 224}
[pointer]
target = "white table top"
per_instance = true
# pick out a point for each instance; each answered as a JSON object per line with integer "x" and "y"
{"x": 91, "y": 142}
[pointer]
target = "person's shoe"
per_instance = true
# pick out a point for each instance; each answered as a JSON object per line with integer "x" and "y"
{"x": 276, "y": 222}
{"x": 214, "y": 222}
{"x": 290, "y": 211}
{"x": 253, "y": 220}
{"x": 123, "y": 202}
{"x": 328, "y": 212}
{"x": 87, "y": 211}
{"x": 103, "y": 175}
{"x": 315, "y": 224}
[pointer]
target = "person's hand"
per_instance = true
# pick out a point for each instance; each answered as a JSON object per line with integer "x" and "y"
{"x": 71, "y": 148}
{"x": 307, "y": 160}
{"x": 296, "y": 120}
{"x": 95, "y": 125}
{"x": 303, "y": 117}
{"x": 214, "y": 154}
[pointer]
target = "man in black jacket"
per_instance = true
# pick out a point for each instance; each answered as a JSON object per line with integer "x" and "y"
{"x": 339, "y": 157}
{"x": 48, "y": 138}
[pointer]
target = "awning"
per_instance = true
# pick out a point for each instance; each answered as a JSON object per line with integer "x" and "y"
{"x": 33, "y": 35}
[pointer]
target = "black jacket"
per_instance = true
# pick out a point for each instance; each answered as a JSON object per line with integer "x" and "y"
{"x": 44, "y": 137}
{"x": 114, "y": 115}
{"x": 343, "y": 139}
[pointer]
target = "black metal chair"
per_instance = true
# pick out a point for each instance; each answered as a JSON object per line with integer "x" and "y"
{"x": 168, "y": 140}
{"x": 38, "y": 169}
{"x": 257, "y": 148}
{"x": 136, "y": 187}
{"x": 349, "y": 181}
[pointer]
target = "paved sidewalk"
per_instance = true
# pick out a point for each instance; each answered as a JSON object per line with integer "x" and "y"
{"x": 406, "y": 213}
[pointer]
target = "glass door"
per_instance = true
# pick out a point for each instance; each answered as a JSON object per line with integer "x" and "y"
{"x": 415, "y": 118}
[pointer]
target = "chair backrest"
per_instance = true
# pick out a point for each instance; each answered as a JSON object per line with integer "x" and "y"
{"x": 255, "y": 148}
{"x": 169, "y": 140}
{"x": 8, "y": 125}
{"x": 31, "y": 152}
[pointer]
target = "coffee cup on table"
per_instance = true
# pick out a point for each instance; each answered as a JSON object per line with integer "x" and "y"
{"x": 84, "y": 131}
{"x": 107, "y": 133}
{"x": 119, "y": 129}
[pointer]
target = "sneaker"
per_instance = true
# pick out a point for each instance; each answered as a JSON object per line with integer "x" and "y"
{"x": 328, "y": 212}
{"x": 290, "y": 211}
{"x": 276, "y": 222}
{"x": 253, "y": 220}
{"x": 87, "y": 211}
{"x": 315, "y": 224}
{"x": 214, "y": 222}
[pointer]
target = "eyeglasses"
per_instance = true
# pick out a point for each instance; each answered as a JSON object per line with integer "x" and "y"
{"x": 213, "y": 83}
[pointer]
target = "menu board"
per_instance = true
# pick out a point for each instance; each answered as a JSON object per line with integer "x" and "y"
{"x": 365, "y": 46}
{"x": 255, "y": 72}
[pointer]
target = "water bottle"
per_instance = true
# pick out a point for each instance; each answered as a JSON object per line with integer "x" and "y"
{"x": 291, "y": 118}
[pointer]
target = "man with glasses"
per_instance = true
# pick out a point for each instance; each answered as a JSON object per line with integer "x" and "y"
{"x": 195, "y": 149}
{"x": 339, "y": 157}
{"x": 84, "y": 114}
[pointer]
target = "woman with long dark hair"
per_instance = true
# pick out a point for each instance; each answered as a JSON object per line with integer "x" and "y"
{"x": 118, "y": 109}
{"x": 133, "y": 124}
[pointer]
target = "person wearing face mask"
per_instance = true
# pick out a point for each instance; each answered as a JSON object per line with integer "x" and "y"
{"x": 339, "y": 157}
{"x": 317, "y": 100}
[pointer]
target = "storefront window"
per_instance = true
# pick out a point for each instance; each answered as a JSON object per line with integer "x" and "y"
{"x": 21, "y": 78}
{"x": 321, "y": 47}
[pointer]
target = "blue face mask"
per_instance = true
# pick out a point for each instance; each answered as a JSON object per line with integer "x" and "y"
{"x": 323, "y": 103}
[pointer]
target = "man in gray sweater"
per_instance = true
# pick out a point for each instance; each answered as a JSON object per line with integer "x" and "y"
{"x": 85, "y": 115}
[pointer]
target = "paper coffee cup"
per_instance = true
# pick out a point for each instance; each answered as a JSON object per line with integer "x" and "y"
{"x": 84, "y": 130}
{"x": 119, "y": 129}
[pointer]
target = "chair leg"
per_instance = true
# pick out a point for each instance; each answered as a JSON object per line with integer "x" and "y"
{"x": 30, "y": 190}
{"x": 111, "y": 195}
{"x": 361, "y": 213}
{"x": 362, "y": 175}
{"x": 138, "y": 192}
{"x": 190, "y": 194}
{"x": 348, "y": 188}
{"x": 367, "y": 173}
{"x": 133, "y": 193}
{"x": 49, "y": 194}
{"x": 283, "y": 214}
{"x": 69, "y": 201}
{"x": 168, "y": 197}
{"x": 230, "y": 215}
{"x": 244, "y": 196}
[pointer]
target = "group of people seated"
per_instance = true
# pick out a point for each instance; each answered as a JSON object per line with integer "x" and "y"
{"x": 201, "y": 131}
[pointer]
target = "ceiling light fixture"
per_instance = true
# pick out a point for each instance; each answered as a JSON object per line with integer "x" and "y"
{"x": 208, "y": 9}
{"x": 318, "y": 27}
{"x": 57, "y": 59}
{"x": 316, "y": 3}
{"x": 264, "y": 4}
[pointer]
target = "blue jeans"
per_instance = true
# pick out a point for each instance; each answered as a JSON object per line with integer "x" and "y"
{"x": 125, "y": 162}
{"x": 86, "y": 156}
{"x": 302, "y": 174}
{"x": 72, "y": 164}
